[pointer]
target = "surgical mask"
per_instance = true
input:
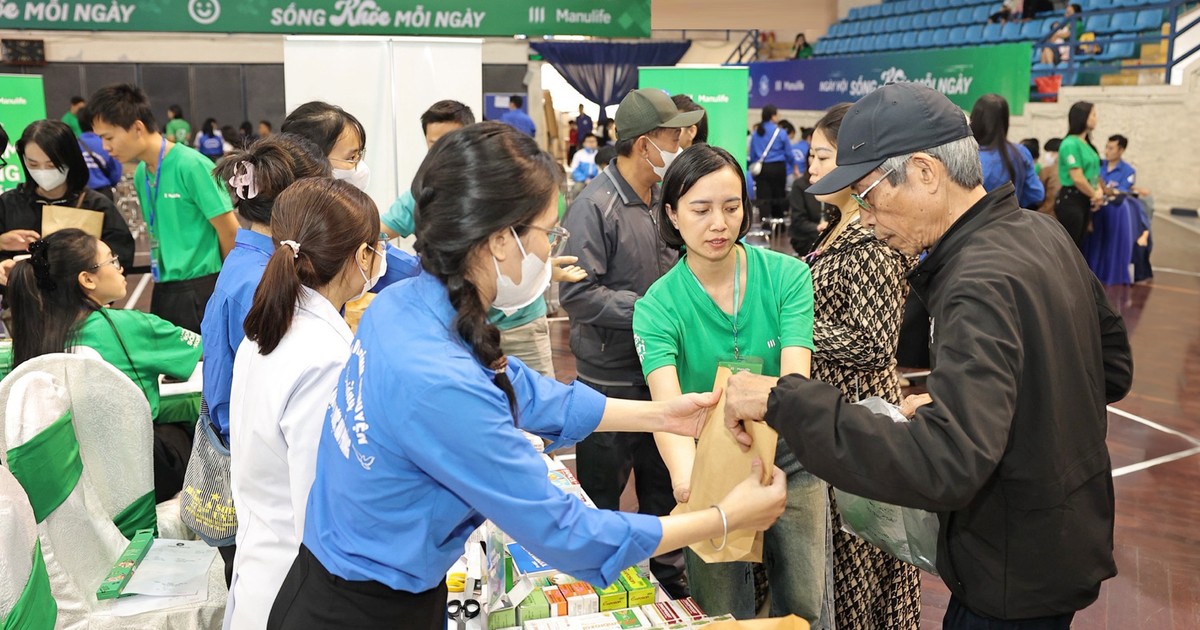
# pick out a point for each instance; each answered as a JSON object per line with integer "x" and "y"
{"x": 369, "y": 283}
{"x": 667, "y": 158}
{"x": 359, "y": 176}
{"x": 48, "y": 178}
{"x": 535, "y": 279}
{"x": 1048, "y": 158}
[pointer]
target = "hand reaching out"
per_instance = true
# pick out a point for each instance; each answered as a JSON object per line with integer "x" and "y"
{"x": 563, "y": 269}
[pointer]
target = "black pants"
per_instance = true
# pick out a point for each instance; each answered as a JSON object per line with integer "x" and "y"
{"x": 605, "y": 460}
{"x": 959, "y": 617}
{"x": 770, "y": 190}
{"x": 312, "y": 598}
{"x": 228, "y": 553}
{"x": 172, "y": 450}
{"x": 182, "y": 302}
{"x": 1074, "y": 211}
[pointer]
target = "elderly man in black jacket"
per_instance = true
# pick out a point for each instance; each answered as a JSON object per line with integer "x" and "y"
{"x": 1026, "y": 353}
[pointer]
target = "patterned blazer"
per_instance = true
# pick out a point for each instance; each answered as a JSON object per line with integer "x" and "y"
{"x": 859, "y": 286}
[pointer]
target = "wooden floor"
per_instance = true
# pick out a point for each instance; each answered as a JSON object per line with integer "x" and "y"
{"x": 1154, "y": 440}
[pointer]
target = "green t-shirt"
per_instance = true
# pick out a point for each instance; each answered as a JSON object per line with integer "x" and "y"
{"x": 73, "y": 122}
{"x": 188, "y": 198}
{"x": 1075, "y": 153}
{"x": 776, "y": 313}
{"x": 399, "y": 216}
{"x": 155, "y": 346}
{"x": 178, "y": 130}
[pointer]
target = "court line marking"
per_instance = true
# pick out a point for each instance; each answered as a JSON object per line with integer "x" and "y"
{"x": 1150, "y": 463}
{"x": 131, "y": 303}
{"x": 1182, "y": 224}
{"x": 566, "y": 457}
{"x": 1153, "y": 425}
{"x": 1194, "y": 274}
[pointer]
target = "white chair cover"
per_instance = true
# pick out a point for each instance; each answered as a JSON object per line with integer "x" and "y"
{"x": 18, "y": 535}
{"x": 79, "y": 541}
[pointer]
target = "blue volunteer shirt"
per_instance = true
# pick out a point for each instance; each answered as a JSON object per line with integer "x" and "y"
{"x": 778, "y": 151}
{"x": 222, "y": 330}
{"x": 1121, "y": 177}
{"x": 419, "y": 447}
{"x": 103, "y": 169}
{"x": 1030, "y": 190}
{"x": 520, "y": 120}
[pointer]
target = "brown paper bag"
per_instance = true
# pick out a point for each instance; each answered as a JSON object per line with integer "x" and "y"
{"x": 790, "y": 622}
{"x": 721, "y": 465}
{"x": 55, "y": 218}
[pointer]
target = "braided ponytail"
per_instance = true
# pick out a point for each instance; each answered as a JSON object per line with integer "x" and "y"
{"x": 511, "y": 183}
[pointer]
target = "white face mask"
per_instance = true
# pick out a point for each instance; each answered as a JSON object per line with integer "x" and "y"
{"x": 369, "y": 283}
{"x": 1048, "y": 158}
{"x": 667, "y": 158}
{"x": 535, "y": 279}
{"x": 48, "y": 178}
{"x": 359, "y": 177}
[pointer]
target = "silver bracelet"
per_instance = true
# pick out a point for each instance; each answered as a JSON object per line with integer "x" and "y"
{"x": 725, "y": 527}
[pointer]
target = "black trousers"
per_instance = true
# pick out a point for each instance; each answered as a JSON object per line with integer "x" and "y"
{"x": 312, "y": 598}
{"x": 605, "y": 461}
{"x": 1074, "y": 211}
{"x": 228, "y": 553}
{"x": 770, "y": 190}
{"x": 172, "y": 450}
{"x": 182, "y": 302}
{"x": 959, "y": 617}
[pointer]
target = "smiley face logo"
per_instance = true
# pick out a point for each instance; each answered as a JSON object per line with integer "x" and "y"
{"x": 204, "y": 11}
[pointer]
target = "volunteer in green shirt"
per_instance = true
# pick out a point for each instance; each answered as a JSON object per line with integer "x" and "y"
{"x": 59, "y": 294}
{"x": 178, "y": 130}
{"x": 749, "y": 308}
{"x": 189, "y": 217}
{"x": 1082, "y": 192}
{"x": 72, "y": 115}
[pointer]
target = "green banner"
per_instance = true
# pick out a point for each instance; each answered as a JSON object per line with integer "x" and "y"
{"x": 721, "y": 91}
{"x": 600, "y": 18}
{"x": 22, "y": 101}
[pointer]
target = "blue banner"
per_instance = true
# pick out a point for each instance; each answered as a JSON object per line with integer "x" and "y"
{"x": 962, "y": 74}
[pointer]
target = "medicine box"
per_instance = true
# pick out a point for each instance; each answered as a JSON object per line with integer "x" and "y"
{"x": 615, "y": 597}
{"x": 119, "y": 575}
{"x": 641, "y": 590}
{"x": 533, "y": 607}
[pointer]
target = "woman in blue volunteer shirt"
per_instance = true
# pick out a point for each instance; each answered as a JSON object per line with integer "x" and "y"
{"x": 771, "y": 161}
{"x": 1003, "y": 161}
{"x": 209, "y": 141}
{"x": 421, "y": 444}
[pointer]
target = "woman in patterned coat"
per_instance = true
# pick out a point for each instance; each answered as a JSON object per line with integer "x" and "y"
{"x": 859, "y": 288}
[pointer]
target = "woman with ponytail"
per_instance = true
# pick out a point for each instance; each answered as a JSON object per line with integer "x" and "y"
{"x": 328, "y": 253}
{"x": 59, "y": 293}
{"x": 420, "y": 443}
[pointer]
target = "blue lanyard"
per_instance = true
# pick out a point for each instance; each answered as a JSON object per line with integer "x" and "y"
{"x": 152, "y": 195}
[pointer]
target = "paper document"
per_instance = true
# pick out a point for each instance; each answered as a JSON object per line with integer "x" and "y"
{"x": 173, "y": 568}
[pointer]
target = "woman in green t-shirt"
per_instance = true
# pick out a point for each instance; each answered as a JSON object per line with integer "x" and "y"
{"x": 747, "y": 306}
{"x": 1082, "y": 192}
{"x": 59, "y": 294}
{"x": 178, "y": 130}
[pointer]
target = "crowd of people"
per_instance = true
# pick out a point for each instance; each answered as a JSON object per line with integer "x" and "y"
{"x": 360, "y": 461}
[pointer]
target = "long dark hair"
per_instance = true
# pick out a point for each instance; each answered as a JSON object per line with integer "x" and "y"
{"x": 831, "y": 123}
{"x": 1077, "y": 121}
{"x": 989, "y": 125}
{"x": 323, "y": 124}
{"x": 768, "y": 112}
{"x": 59, "y": 143}
{"x": 696, "y": 161}
{"x": 45, "y": 294}
{"x": 329, "y": 219}
{"x": 275, "y": 162}
{"x": 210, "y": 127}
{"x": 511, "y": 182}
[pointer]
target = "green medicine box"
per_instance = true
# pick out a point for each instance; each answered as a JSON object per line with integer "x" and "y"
{"x": 119, "y": 575}
{"x": 615, "y": 597}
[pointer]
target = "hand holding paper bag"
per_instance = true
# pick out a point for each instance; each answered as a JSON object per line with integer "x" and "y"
{"x": 746, "y": 405}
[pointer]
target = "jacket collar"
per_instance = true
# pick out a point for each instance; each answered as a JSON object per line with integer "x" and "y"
{"x": 253, "y": 239}
{"x": 628, "y": 196}
{"x": 314, "y": 304}
{"x": 993, "y": 207}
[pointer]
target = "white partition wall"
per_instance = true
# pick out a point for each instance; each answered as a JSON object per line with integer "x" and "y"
{"x": 386, "y": 82}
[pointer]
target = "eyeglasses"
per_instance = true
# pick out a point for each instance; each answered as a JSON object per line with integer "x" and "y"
{"x": 359, "y": 157}
{"x": 558, "y": 235}
{"x": 114, "y": 261}
{"x": 861, "y": 199}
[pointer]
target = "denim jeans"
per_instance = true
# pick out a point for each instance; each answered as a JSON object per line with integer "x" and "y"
{"x": 797, "y": 552}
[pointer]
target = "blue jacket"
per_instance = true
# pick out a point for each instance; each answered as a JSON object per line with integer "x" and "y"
{"x": 520, "y": 120}
{"x": 419, "y": 447}
{"x": 103, "y": 170}
{"x": 779, "y": 151}
{"x": 1030, "y": 191}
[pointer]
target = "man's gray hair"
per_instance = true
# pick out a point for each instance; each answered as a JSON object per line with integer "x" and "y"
{"x": 960, "y": 157}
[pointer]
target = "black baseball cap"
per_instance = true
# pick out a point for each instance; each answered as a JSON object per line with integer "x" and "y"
{"x": 646, "y": 109}
{"x": 896, "y": 119}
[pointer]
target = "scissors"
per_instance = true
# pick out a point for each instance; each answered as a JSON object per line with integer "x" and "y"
{"x": 461, "y": 611}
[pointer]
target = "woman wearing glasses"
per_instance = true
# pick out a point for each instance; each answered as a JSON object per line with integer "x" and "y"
{"x": 327, "y": 252}
{"x": 859, "y": 289}
{"x": 338, "y": 134}
{"x": 421, "y": 440}
{"x": 59, "y": 293}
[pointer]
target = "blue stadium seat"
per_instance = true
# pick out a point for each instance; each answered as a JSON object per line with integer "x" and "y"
{"x": 909, "y": 40}
{"x": 974, "y": 35}
{"x": 1098, "y": 5}
{"x": 844, "y": 46}
{"x": 941, "y": 37}
{"x": 1117, "y": 51}
{"x": 919, "y": 21}
{"x": 852, "y": 28}
{"x": 926, "y": 39}
{"x": 935, "y": 19}
{"x": 1010, "y": 32}
{"x": 889, "y": 25}
{"x": 958, "y": 36}
{"x": 965, "y": 16}
{"x": 875, "y": 10}
{"x": 904, "y": 23}
{"x": 981, "y": 14}
{"x": 855, "y": 13}
{"x": 1149, "y": 20}
{"x": 894, "y": 41}
{"x": 991, "y": 32}
{"x": 887, "y": 9}
{"x": 1097, "y": 24}
{"x": 1124, "y": 23}
{"x": 941, "y": 4}
{"x": 1032, "y": 30}
{"x": 926, "y": 6}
